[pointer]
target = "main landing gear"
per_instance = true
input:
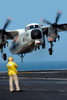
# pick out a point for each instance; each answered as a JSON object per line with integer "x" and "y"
{"x": 50, "y": 49}
{"x": 4, "y": 56}
{"x": 3, "y": 45}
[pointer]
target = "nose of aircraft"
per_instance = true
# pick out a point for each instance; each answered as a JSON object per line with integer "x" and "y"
{"x": 36, "y": 34}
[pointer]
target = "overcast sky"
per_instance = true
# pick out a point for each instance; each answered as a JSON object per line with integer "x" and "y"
{"x": 31, "y": 11}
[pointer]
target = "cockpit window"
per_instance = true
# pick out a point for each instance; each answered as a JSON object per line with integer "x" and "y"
{"x": 37, "y": 26}
{"x": 27, "y": 28}
{"x": 32, "y": 27}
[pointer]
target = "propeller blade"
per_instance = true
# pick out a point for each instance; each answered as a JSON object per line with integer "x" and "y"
{"x": 47, "y": 22}
{"x": 58, "y": 16}
{"x": 7, "y": 23}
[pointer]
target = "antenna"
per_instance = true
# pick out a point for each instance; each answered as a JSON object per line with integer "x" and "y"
{"x": 26, "y": 23}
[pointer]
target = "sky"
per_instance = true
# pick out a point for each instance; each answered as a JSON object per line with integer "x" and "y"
{"x": 31, "y": 11}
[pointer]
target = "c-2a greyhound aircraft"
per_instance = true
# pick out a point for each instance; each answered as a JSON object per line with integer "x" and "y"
{"x": 31, "y": 38}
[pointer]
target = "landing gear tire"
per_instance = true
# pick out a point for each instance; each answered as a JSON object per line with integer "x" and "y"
{"x": 50, "y": 51}
{"x": 43, "y": 47}
{"x": 4, "y": 56}
{"x": 58, "y": 37}
{"x": 38, "y": 47}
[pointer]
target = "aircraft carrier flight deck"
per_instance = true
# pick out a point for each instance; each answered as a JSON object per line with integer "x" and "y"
{"x": 36, "y": 85}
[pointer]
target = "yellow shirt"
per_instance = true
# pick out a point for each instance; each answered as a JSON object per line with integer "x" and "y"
{"x": 11, "y": 66}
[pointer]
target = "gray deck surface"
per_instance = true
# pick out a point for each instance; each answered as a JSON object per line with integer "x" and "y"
{"x": 36, "y": 88}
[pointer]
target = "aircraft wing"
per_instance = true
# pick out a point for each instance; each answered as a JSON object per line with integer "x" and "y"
{"x": 61, "y": 27}
{"x": 11, "y": 34}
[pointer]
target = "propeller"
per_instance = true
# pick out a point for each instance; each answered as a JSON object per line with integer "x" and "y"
{"x": 54, "y": 25}
{"x": 2, "y": 31}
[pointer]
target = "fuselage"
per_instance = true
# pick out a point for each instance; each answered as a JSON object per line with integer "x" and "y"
{"x": 28, "y": 39}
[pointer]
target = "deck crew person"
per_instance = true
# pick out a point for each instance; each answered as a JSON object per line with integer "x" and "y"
{"x": 12, "y": 72}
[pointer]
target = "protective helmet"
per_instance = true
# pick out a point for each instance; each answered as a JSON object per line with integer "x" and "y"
{"x": 10, "y": 59}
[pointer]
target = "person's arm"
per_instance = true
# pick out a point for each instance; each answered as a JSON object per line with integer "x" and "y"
{"x": 15, "y": 65}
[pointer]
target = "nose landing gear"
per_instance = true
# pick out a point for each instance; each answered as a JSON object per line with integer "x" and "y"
{"x": 22, "y": 56}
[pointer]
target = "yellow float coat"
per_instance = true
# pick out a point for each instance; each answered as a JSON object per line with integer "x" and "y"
{"x": 11, "y": 66}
